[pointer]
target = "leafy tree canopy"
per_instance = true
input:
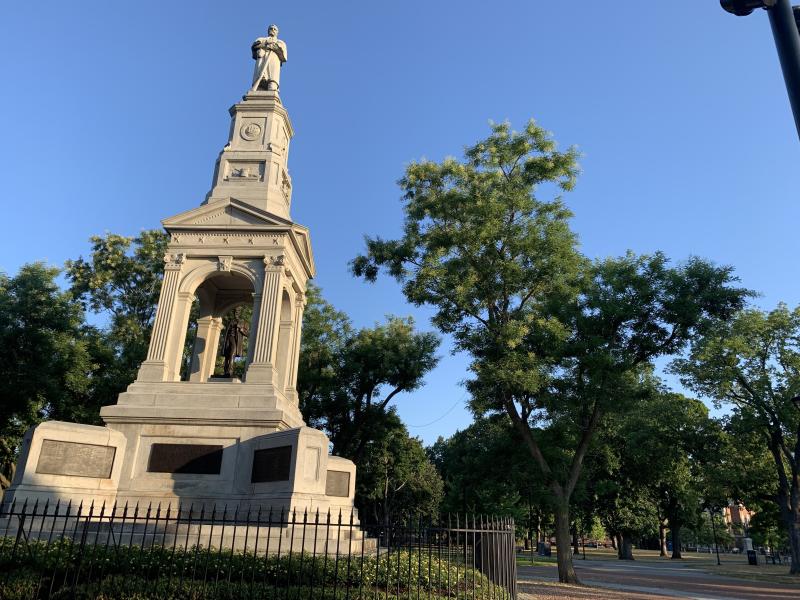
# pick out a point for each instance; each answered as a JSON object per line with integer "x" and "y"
{"x": 44, "y": 358}
{"x": 348, "y": 378}
{"x": 752, "y": 363}
{"x": 553, "y": 336}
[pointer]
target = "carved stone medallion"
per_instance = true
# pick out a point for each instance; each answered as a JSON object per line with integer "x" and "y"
{"x": 250, "y": 131}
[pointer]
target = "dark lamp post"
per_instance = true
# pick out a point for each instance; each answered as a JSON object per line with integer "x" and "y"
{"x": 784, "y": 22}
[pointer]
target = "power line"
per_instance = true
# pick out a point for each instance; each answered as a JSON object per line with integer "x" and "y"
{"x": 449, "y": 410}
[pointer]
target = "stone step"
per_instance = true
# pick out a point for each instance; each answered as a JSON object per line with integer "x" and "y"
{"x": 237, "y": 537}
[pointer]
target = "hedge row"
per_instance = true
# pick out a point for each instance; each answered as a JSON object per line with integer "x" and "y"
{"x": 200, "y": 572}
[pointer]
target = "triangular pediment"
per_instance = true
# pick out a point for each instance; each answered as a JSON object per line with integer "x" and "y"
{"x": 223, "y": 214}
{"x": 302, "y": 244}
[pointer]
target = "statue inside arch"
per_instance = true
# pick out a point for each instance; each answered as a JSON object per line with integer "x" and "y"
{"x": 233, "y": 344}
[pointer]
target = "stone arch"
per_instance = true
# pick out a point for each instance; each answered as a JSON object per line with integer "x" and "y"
{"x": 202, "y": 272}
{"x": 217, "y": 292}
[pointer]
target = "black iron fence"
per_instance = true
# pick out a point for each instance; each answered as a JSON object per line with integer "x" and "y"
{"x": 62, "y": 550}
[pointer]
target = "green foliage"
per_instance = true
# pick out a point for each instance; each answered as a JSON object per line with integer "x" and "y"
{"x": 703, "y": 534}
{"x": 44, "y": 356}
{"x": 397, "y": 481}
{"x": 133, "y": 572}
{"x": 752, "y": 363}
{"x": 121, "y": 280}
{"x": 555, "y": 338}
{"x": 477, "y": 245}
{"x": 347, "y": 378}
{"x": 652, "y": 464}
{"x": 755, "y": 486}
{"x": 767, "y": 528}
{"x": 468, "y": 463}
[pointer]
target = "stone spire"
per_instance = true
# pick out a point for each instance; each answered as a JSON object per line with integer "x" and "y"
{"x": 252, "y": 167}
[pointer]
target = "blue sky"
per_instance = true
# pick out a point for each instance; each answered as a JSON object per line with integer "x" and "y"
{"x": 112, "y": 114}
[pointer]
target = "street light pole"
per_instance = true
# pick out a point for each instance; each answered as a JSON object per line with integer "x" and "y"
{"x": 787, "y": 42}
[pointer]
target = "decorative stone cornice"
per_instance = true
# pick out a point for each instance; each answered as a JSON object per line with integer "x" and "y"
{"x": 174, "y": 260}
{"x": 275, "y": 261}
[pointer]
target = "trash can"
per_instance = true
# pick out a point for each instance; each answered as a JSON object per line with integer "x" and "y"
{"x": 752, "y": 557}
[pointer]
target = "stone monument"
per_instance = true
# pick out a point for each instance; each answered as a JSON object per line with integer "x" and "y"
{"x": 210, "y": 440}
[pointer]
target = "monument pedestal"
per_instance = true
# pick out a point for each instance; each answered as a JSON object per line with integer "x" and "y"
{"x": 189, "y": 444}
{"x": 223, "y": 443}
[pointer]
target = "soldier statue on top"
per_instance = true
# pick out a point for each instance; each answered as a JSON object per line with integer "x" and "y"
{"x": 269, "y": 53}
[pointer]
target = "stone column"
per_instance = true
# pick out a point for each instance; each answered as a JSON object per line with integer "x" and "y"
{"x": 177, "y": 336}
{"x": 154, "y": 368}
{"x": 294, "y": 355}
{"x": 205, "y": 348}
{"x": 282, "y": 353}
{"x": 262, "y": 366}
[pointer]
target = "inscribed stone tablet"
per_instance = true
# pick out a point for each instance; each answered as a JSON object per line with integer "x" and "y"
{"x": 75, "y": 459}
{"x": 196, "y": 459}
{"x": 271, "y": 464}
{"x": 337, "y": 484}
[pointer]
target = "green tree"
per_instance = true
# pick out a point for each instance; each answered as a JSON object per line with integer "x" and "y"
{"x": 663, "y": 449}
{"x": 348, "y": 378}
{"x": 121, "y": 281}
{"x": 752, "y": 363}
{"x": 44, "y": 357}
{"x": 467, "y": 462}
{"x": 767, "y": 528}
{"x": 553, "y": 337}
{"x": 754, "y": 486}
{"x": 396, "y": 480}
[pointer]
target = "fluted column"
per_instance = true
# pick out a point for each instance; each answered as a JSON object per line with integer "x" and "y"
{"x": 262, "y": 366}
{"x": 154, "y": 368}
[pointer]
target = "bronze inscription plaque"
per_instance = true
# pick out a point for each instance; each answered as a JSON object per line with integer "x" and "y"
{"x": 271, "y": 464}
{"x": 75, "y": 459}
{"x": 337, "y": 484}
{"x": 196, "y": 459}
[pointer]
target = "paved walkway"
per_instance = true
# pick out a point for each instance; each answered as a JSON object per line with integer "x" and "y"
{"x": 674, "y": 580}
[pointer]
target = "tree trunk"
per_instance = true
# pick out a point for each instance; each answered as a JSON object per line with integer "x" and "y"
{"x": 662, "y": 538}
{"x": 675, "y": 530}
{"x": 576, "y": 546}
{"x": 789, "y": 510}
{"x": 788, "y": 494}
{"x": 566, "y": 571}
{"x": 614, "y": 541}
{"x": 794, "y": 544}
{"x": 625, "y": 551}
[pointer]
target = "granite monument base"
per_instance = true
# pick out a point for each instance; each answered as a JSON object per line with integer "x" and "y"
{"x": 188, "y": 445}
